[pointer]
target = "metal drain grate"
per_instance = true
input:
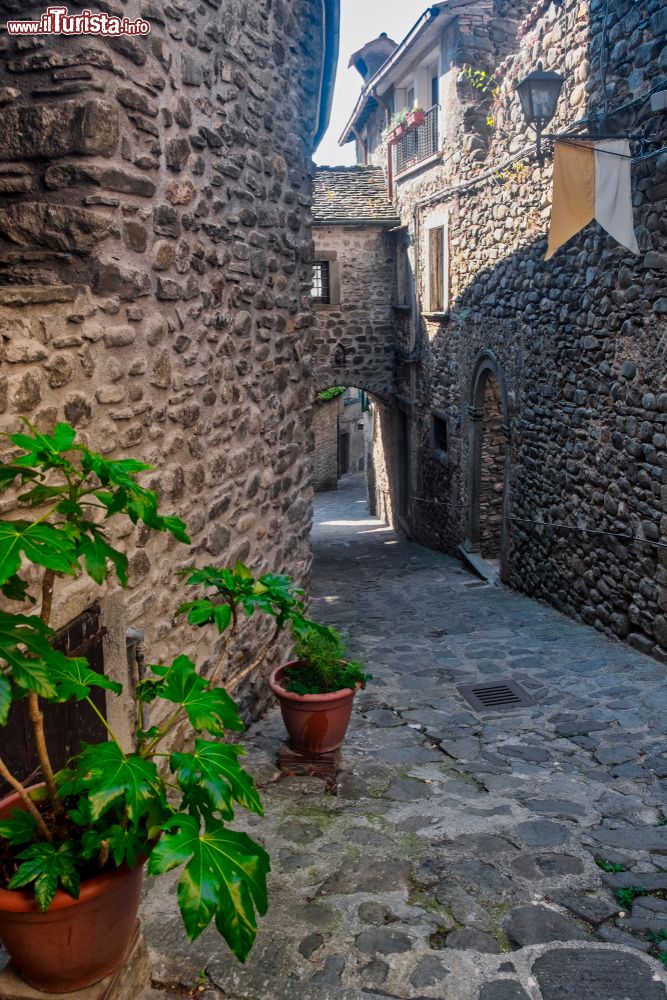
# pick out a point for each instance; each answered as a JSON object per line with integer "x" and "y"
{"x": 497, "y": 696}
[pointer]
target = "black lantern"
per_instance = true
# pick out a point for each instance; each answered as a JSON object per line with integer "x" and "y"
{"x": 539, "y": 93}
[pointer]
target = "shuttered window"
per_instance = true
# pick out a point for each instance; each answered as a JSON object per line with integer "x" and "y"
{"x": 436, "y": 260}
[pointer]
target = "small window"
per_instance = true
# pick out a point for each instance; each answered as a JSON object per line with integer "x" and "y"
{"x": 435, "y": 90}
{"x": 439, "y": 433}
{"x": 321, "y": 288}
{"x": 436, "y": 261}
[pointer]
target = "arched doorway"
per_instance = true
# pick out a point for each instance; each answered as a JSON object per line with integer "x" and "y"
{"x": 488, "y": 469}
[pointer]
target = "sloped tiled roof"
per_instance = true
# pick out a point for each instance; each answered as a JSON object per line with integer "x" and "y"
{"x": 352, "y": 195}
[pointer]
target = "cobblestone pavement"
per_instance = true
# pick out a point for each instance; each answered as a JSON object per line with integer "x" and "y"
{"x": 463, "y": 855}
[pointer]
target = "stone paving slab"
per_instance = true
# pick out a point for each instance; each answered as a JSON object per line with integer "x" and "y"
{"x": 465, "y": 855}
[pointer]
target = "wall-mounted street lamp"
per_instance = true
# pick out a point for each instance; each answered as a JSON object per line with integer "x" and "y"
{"x": 539, "y": 93}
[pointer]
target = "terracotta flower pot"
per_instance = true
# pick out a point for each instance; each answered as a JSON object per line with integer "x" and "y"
{"x": 76, "y": 942}
{"x": 416, "y": 118}
{"x": 316, "y": 723}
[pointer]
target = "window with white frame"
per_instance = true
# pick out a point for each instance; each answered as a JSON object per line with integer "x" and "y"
{"x": 437, "y": 264}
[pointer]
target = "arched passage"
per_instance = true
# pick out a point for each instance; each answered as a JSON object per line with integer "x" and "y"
{"x": 488, "y": 466}
{"x": 358, "y": 433}
{"x": 342, "y": 434}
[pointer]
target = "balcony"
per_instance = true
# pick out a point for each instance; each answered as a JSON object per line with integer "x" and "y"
{"x": 418, "y": 144}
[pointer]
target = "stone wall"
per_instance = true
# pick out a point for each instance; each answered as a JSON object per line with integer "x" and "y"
{"x": 581, "y": 339}
{"x": 353, "y": 340}
{"x": 492, "y": 477}
{"x": 154, "y": 275}
{"x": 325, "y": 449}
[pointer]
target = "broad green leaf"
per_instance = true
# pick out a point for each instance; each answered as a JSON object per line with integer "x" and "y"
{"x": 224, "y": 877}
{"x": 109, "y": 778}
{"x": 139, "y": 503}
{"x": 46, "y": 866}
{"x": 5, "y": 699}
{"x": 208, "y": 709}
{"x": 24, "y": 646}
{"x": 125, "y": 844}
{"x": 16, "y": 589}
{"x": 214, "y": 767}
{"x": 42, "y": 544}
{"x": 116, "y": 472}
{"x": 242, "y": 571}
{"x": 63, "y": 437}
{"x": 96, "y": 552}
{"x": 204, "y": 610}
{"x": 176, "y": 527}
{"x": 198, "y": 612}
{"x": 8, "y": 473}
{"x": 19, "y": 828}
{"x": 74, "y": 679}
{"x": 222, "y": 616}
{"x": 41, "y": 494}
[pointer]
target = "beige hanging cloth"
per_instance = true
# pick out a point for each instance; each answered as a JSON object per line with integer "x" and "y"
{"x": 592, "y": 181}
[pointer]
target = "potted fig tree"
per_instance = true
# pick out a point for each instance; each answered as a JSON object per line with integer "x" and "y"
{"x": 72, "y": 848}
{"x": 316, "y": 689}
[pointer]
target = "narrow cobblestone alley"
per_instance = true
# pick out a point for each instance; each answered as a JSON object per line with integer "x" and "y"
{"x": 457, "y": 858}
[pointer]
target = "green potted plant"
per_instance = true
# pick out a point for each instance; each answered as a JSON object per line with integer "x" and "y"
{"x": 72, "y": 848}
{"x": 415, "y": 116}
{"x": 397, "y": 126}
{"x": 316, "y": 689}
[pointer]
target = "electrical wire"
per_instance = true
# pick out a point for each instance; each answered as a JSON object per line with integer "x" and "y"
{"x": 554, "y": 524}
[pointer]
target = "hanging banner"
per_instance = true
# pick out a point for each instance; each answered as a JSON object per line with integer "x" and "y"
{"x": 592, "y": 181}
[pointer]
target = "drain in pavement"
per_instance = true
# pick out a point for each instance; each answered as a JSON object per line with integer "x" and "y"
{"x": 495, "y": 696}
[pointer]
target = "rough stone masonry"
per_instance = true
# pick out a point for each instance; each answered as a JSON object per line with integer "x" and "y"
{"x": 579, "y": 341}
{"x": 154, "y": 271}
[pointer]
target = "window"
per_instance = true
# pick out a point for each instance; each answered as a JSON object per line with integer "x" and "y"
{"x": 436, "y": 248}
{"x": 435, "y": 90}
{"x": 321, "y": 288}
{"x": 437, "y": 270}
{"x": 439, "y": 430}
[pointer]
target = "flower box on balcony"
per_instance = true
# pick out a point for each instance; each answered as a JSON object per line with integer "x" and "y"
{"x": 397, "y": 132}
{"x": 416, "y": 117}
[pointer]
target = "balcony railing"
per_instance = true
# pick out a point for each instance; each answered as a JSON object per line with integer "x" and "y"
{"x": 419, "y": 143}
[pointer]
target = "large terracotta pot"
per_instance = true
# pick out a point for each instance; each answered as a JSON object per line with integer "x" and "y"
{"x": 316, "y": 723}
{"x": 76, "y": 942}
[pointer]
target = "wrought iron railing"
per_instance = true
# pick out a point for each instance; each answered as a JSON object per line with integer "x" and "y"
{"x": 419, "y": 143}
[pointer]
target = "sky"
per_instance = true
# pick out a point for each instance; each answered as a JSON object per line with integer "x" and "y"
{"x": 361, "y": 20}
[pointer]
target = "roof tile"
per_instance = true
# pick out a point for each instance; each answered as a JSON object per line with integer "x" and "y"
{"x": 352, "y": 194}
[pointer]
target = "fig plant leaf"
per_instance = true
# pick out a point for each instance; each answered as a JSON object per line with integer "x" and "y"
{"x": 214, "y": 769}
{"x": 74, "y": 678}
{"x": 42, "y": 543}
{"x": 47, "y": 866}
{"x": 108, "y": 806}
{"x": 209, "y": 709}
{"x": 19, "y": 828}
{"x": 108, "y": 776}
{"x": 5, "y": 699}
{"x": 16, "y": 589}
{"x": 224, "y": 877}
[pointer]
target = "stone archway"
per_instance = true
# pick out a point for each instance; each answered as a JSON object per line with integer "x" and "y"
{"x": 486, "y": 541}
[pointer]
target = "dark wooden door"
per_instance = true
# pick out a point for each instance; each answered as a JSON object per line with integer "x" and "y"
{"x": 343, "y": 454}
{"x": 67, "y": 726}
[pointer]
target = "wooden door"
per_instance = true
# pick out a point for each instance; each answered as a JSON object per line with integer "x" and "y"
{"x": 67, "y": 726}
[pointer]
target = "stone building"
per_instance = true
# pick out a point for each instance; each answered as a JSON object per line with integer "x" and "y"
{"x": 534, "y": 392}
{"x": 342, "y": 431}
{"x": 155, "y": 271}
{"x": 357, "y": 313}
